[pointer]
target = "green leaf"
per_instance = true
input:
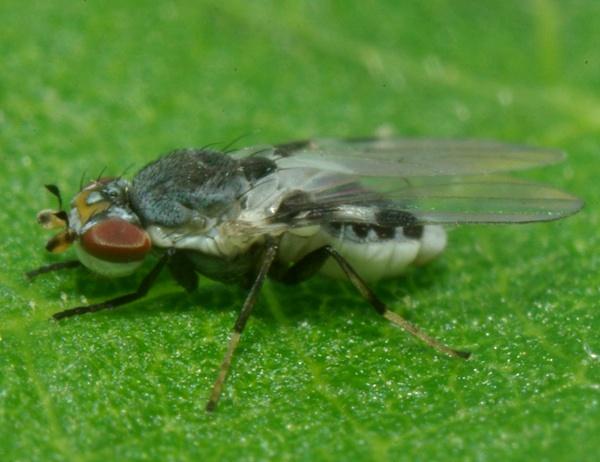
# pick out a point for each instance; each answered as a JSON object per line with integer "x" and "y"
{"x": 87, "y": 86}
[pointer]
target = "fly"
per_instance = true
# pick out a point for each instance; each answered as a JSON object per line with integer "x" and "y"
{"x": 362, "y": 209}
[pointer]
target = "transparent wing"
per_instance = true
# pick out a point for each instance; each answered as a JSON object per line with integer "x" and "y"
{"x": 397, "y": 157}
{"x": 480, "y": 200}
{"x": 431, "y": 181}
{"x": 440, "y": 200}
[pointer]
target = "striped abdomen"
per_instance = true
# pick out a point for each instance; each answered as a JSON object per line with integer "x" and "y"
{"x": 375, "y": 251}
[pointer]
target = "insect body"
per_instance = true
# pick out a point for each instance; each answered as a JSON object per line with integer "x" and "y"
{"x": 362, "y": 209}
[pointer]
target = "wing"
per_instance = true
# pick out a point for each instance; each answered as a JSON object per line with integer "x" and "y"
{"x": 398, "y": 182}
{"x": 456, "y": 202}
{"x": 486, "y": 200}
{"x": 397, "y": 157}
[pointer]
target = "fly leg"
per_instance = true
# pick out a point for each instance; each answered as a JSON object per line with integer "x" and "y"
{"x": 240, "y": 323}
{"x": 383, "y": 310}
{"x": 303, "y": 269}
{"x": 52, "y": 267}
{"x": 311, "y": 263}
{"x": 141, "y": 291}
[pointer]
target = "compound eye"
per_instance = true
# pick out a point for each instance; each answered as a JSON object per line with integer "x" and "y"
{"x": 116, "y": 240}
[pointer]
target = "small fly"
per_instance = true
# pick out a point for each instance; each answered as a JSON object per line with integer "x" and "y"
{"x": 363, "y": 209}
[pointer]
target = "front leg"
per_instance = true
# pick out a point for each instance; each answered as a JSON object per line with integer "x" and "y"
{"x": 61, "y": 265}
{"x": 141, "y": 291}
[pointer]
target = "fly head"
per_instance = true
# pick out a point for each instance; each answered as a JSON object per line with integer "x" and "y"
{"x": 107, "y": 235}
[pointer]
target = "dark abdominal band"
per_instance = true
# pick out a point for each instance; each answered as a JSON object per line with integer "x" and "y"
{"x": 361, "y": 231}
{"x": 387, "y": 223}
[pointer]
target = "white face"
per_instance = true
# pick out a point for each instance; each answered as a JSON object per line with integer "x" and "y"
{"x": 108, "y": 237}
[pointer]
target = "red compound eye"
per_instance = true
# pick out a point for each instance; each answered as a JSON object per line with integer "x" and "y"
{"x": 116, "y": 240}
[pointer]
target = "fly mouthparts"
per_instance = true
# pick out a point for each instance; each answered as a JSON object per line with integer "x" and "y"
{"x": 61, "y": 242}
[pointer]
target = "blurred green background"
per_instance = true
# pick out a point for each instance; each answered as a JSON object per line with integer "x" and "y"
{"x": 88, "y": 85}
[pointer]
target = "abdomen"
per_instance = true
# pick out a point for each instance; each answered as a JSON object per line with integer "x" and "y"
{"x": 375, "y": 252}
